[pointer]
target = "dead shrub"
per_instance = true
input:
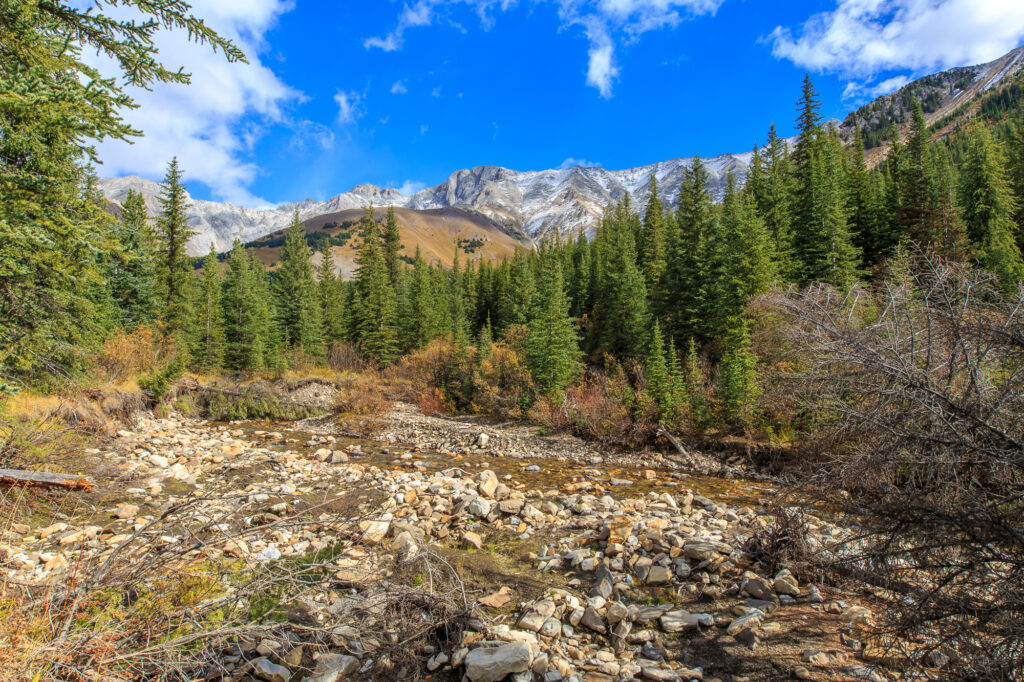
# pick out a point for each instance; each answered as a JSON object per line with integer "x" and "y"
{"x": 606, "y": 408}
{"x": 783, "y": 542}
{"x": 431, "y": 402}
{"x": 127, "y": 355}
{"x": 362, "y": 395}
{"x": 444, "y": 365}
{"x": 343, "y": 357}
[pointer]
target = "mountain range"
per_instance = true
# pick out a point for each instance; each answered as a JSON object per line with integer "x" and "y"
{"x": 528, "y": 206}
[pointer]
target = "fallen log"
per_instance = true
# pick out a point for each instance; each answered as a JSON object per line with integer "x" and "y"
{"x": 662, "y": 431}
{"x": 44, "y": 479}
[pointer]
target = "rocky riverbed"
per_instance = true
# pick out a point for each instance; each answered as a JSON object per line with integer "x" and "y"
{"x": 540, "y": 565}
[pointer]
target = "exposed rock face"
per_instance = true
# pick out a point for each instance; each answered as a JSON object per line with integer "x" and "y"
{"x": 530, "y": 205}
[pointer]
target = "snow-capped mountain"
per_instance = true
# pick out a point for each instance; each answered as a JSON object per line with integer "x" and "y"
{"x": 528, "y": 205}
{"x": 532, "y": 205}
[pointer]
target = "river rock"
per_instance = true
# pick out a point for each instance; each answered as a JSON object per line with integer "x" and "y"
{"x": 785, "y": 583}
{"x": 487, "y": 482}
{"x": 265, "y": 669}
{"x": 491, "y": 664}
{"x": 333, "y": 667}
{"x": 479, "y": 507}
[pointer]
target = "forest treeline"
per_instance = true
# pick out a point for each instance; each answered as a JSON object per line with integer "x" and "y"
{"x": 658, "y": 299}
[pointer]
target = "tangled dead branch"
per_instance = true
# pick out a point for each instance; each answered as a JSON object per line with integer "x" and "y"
{"x": 921, "y": 382}
{"x": 183, "y": 597}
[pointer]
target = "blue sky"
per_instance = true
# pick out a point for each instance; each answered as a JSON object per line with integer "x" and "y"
{"x": 402, "y": 93}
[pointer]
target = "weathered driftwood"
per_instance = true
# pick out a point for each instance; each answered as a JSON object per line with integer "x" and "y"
{"x": 672, "y": 439}
{"x": 44, "y": 479}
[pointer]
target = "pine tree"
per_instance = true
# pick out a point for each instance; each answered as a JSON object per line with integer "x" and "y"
{"x": 738, "y": 389}
{"x": 660, "y": 382}
{"x": 863, "y": 209}
{"x": 989, "y": 207}
{"x": 828, "y": 252}
{"x": 686, "y": 297}
{"x": 652, "y": 249}
{"x": 132, "y": 273}
{"x": 374, "y": 305}
{"x": 173, "y": 233}
{"x": 246, "y": 315}
{"x": 297, "y": 304}
{"x": 622, "y": 294}
{"x": 807, "y": 204}
{"x": 208, "y": 347}
{"x": 332, "y": 297}
{"x": 776, "y": 206}
{"x": 392, "y": 245}
{"x": 552, "y": 348}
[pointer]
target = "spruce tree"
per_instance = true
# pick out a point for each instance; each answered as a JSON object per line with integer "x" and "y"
{"x": 552, "y": 348}
{"x": 776, "y": 206}
{"x": 807, "y": 203}
{"x": 652, "y": 249}
{"x": 1015, "y": 158}
{"x": 374, "y": 306}
{"x": 458, "y": 304}
{"x": 622, "y": 295}
{"x": 245, "y": 314}
{"x": 988, "y": 207}
{"x": 332, "y": 297}
{"x": 862, "y": 205}
{"x": 297, "y": 303}
{"x": 828, "y": 252}
{"x": 686, "y": 295}
{"x": 660, "y": 383}
{"x": 132, "y": 273}
{"x": 208, "y": 347}
{"x": 738, "y": 389}
{"x": 173, "y": 233}
{"x": 421, "y": 324}
{"x": 392, "y": 245}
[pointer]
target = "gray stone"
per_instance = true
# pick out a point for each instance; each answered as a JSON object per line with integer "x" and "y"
{"x": 491, "y": 664}
{"x": 264, "y": 669}
{"x": 658, "y": 575}
{"x": 478, "y": 506}
{"x": 592, "y": 619}
{"x": 436, "y": 661}
{"x": 334, "y": 667}
{"x": 677, "y": 621}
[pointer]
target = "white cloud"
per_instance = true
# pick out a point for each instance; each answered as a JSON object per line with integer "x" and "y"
{"x": 350, "y": 106}
{"x": 410, "y": 187}
{"x": 212, "y": 124}
{"x": 605, "y": 23}
{"x": 582, "y": 163}
{"x": 312, "y": 134}
{"x": 855, "y": 90}
{"x": 861, "y": 38}
{"x": 399, "y": 88}
{"x": 601, "y": 69}
{"x": 423, "y": 129}
{"x": 436, "y": 92}
{"x": 420, "y": 13}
